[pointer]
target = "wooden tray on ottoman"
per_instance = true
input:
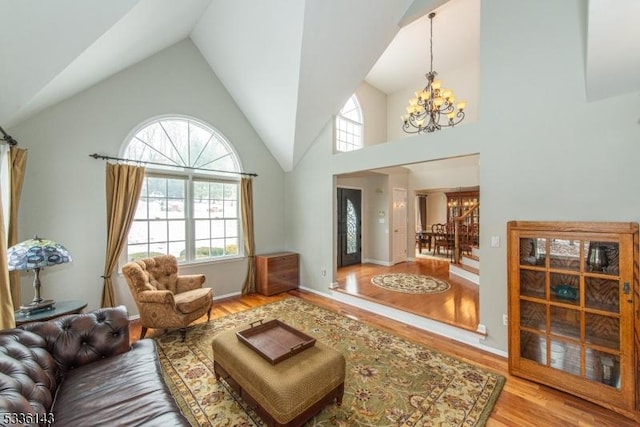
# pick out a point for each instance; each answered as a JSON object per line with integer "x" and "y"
{"x": 274, "y": 340}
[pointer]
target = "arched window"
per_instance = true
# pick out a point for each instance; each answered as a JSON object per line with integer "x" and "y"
{"x": 349, "y": 126}
{"x": 189, "y": 204}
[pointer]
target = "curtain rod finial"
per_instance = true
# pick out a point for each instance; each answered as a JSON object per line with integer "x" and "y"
{"x": 8, "y": 138}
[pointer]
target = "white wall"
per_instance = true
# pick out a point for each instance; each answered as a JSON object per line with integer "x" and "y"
{"x": 546, "y": 153}
{"x": 64, "y": 191}
{"x": 374, "y": 111}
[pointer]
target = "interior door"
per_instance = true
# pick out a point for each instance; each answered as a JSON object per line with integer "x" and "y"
{"x": 399, "y": 238}
{"x": 349, "y": 226}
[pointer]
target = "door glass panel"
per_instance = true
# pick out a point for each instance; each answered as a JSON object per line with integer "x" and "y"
{"x": 564, "y": 254}
{"x": 533, "y": 315}
{"x": 533, "y": 347}
{"x": 565, "y": 288}
{"x": 532, "y": 283}
{"x": 528, "y": 251}
{"x": 603, "y": 367}
{"x": 564, "y": 356}
{"x": 565, "y": 322}
{"x": 352, "y": 228}
{"x": 602, "y": 257}
{"x": 602, "y": 294}
{"x": 602, "y": 330}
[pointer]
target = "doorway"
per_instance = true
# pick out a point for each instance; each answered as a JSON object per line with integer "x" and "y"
{"x": 349, "y": 226}
{"x": 381, "y": 249}
{"x": 399, "y": 241}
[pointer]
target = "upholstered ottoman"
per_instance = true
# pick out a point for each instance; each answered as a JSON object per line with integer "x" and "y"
{"x": 285, "y": 394}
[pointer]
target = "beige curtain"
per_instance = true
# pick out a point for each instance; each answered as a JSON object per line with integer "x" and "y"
{"x": 18, "y": 160}
{"x": 246, "y": 194}
{"x": 7, "y": 320}
{"x": 124, "y": 183}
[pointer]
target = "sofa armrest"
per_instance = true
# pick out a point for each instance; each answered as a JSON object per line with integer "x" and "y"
{"x": 189, "y": 282}
{"x": 77, "y": 339}
{"x": 156, "y": 297}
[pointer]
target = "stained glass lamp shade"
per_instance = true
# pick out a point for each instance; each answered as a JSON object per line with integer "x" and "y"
{"x": 34, "y": 254}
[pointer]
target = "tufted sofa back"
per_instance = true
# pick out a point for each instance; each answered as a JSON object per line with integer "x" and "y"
{"x": 151, "y": 274}
{"x": 34, "y": 357}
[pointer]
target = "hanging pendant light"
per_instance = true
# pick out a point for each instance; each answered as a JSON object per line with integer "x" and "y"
{"x": 433, "y": 102}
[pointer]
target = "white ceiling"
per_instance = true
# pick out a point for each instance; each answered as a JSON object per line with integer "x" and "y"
{"x": 288, "y": 64}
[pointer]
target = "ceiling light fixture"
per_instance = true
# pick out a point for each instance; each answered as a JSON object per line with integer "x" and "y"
{"x": 432, "y": 102}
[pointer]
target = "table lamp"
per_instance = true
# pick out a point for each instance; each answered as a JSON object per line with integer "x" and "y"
{"x": 35, "y": 254}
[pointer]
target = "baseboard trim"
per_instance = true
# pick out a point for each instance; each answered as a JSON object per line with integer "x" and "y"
{"x": 378, "y": 262}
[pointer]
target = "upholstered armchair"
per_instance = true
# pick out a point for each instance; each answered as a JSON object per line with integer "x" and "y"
{"x": 165, "y": 299}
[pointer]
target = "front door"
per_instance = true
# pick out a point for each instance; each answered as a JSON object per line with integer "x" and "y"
{"x": 349, "y": 226}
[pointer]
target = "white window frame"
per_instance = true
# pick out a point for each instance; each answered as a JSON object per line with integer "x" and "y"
{"x": 345, "y": 136}
{"x": 190, "y": 176}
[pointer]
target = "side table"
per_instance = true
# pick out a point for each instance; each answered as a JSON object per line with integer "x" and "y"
{"x": 60, "y": 309}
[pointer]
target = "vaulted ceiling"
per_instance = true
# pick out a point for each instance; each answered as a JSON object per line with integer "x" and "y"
{"x": 288, "y": 64}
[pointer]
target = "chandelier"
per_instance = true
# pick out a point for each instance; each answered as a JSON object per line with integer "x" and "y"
{"x": 432, "y": 102}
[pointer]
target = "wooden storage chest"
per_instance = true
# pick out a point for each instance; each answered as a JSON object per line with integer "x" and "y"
{"x": 277, "y": 272}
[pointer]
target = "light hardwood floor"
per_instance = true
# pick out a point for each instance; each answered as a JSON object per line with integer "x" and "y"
{"x": 521, "y": 403}
{"x": 458, "y": 306}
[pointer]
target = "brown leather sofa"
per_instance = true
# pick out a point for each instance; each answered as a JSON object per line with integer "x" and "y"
{"x": 80, "y": 370}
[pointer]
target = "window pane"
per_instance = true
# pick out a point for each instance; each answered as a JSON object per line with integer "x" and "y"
{"x": 178, "y": 250}
{"x": 231, "y": 228}
{"x": 158, "y": 231}
{"x": 138, "y": 232}
{"x": 175, "y": 188}
{"x": 348, "y": 125}
{"x": 217, "y": 228}
{"x": 162, "y": 224}
{"x": 141, "y": 210}
{"x": 156, "y": 249}
{"x": 202, "y": 229}
{"x": 203, "y": 249}
{"x": 177, "y": 231}
{"x": 232, "y": 247}
{"x": 137, "y": 252}
{"x": 230, "y": 209}
{"x": 217, "y": 247}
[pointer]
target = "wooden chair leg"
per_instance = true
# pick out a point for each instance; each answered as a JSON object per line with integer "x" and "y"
{"x": 209, "y": 313}
{"x": 143, "y": 332}
{"x": 183, "y": 332}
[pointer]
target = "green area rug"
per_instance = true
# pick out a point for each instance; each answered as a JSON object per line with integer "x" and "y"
{"x": 390, "y": 381}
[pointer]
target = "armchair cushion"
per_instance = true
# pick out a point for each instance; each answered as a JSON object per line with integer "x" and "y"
{"x": 190, "y": 301}
{"x": 189, "y": 282}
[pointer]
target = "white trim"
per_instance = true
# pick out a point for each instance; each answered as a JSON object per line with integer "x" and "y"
{"x": 466, "y": 337}
{"x": 134, "y": 131}
{"x": 378, "y": 262}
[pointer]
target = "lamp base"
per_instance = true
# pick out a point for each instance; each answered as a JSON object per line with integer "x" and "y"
{"x": 47, "y": 304}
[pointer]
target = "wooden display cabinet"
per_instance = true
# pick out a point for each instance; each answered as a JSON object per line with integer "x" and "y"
{"x": 277, "y": 272}
{"x": 573, "y": 287}
{"x": 459, "y": 202}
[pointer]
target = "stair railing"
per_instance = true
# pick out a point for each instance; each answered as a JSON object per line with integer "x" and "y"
{"x": 456, "y": 234}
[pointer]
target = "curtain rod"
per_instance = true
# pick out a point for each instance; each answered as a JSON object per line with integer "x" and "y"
{"x": 8, "y": 138}
{"x": 103, "y": 157}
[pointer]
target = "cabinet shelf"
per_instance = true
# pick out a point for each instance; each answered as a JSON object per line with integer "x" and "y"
{"x": 571, "y": 315}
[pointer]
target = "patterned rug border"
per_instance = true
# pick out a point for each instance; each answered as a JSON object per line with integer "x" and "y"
{"x": 196, "y": 415}
{"x": 411, "y": 283}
